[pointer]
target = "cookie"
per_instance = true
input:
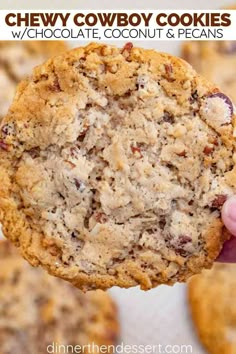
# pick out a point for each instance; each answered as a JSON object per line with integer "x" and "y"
{"x": 115, "y": 164}
{"x": 38, "y": 312}
{"x": 216, "y": 60}
{"x": 212, "y": 303}
{"x": 17, "y": 59}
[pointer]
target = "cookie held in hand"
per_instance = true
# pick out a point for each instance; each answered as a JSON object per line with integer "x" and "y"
{"x": 38, "y": 312}
{"x": 115, "y": 164}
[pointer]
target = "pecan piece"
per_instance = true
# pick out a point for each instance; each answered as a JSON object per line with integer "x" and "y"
{"x": 127, "y": 47}
{"x": 136, "y": 149}
{"x": 219, "y": 201}
{"x": 4, "y": 146}
{"x": 213, "y": 140}
{"x": 208, "y": 150}
{"x": 83, "y": 133}
{"x": 101, "y": 218}
{"x": 168, "y": 69}
{"x": 168, "y": 72}
{"x": 55, "y": 87}
{"x": 182, "y": 153}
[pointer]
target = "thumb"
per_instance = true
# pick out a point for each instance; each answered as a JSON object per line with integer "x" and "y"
{"x": 229, "y": 215}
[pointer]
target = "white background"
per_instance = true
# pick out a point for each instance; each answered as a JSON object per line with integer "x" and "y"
{"x": 160, "y": 315}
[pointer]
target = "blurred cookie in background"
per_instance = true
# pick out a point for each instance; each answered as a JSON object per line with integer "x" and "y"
{"x": 17, "y": 59}
{"x": 37, "y": 310}
{"x": 212, "y": 299}
{"x": 216, "y": 60}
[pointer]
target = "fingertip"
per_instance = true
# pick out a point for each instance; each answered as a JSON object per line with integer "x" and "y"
{"x": 228, "y": 215}
{"x": 228, "y": 253}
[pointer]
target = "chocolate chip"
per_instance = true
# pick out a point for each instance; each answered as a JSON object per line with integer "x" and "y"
{"x": 141, "y": 86}
{"x": 52, "y": 210}
{"x": 182, "y": 252}
{"x": 162, "y": 222}
{"x": 34, "y": 152}
{"x": 141, "y": 82}
{"x": 168, "y": 117}
{"x": 226, "y": 99}
{"x": 7, "y": 129}
{"x": 183, "y": 239}
{"x": 194, "y": 97}
{"x": 219, "y": 201}
{"x": 82, "y": 134}
{"x": 151, "y": 231}
{"x": 74, "y": 234}
{"x": 178, "y": 244}
{"x": 79, "y": 184}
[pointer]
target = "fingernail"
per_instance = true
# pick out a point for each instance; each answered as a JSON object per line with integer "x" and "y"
{"x": 230, "y": 208}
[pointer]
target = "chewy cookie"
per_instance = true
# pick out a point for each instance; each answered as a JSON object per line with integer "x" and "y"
{"x": 212, "y": 301}
{"x": 216, "y": 60}
{"x": 37, "y": 310}
{"x": 17, "y": 59}
{"x": 114, "y": 166}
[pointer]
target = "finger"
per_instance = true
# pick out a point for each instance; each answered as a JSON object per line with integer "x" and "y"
{"x": 228, "y": 253}
{"x": 229, "y": 215}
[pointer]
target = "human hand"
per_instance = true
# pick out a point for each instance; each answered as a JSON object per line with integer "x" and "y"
{"x": 228, "y": 254}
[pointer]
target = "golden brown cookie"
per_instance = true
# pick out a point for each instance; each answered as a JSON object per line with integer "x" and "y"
{"x": 39, "y": 312}
{"x": 115, "y": 164}
{"x": 17, "y": 59}
{"x": 212, "y": 302}
{"x": 216, "y": 60}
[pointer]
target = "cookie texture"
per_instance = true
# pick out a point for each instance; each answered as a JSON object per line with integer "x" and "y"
{"x": 115, "y": 164}
{"x": 212, "y": 303}
{"x": 37, "y": 310}
{"x": 216, "y": 60}
{"x": 17, "y": 59}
